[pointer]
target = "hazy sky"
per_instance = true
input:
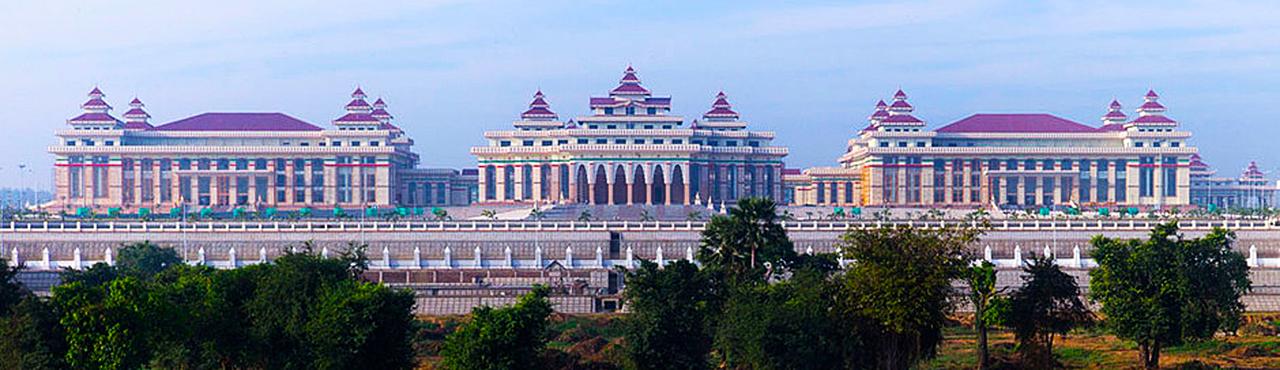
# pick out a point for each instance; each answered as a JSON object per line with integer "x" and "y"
{"x": 809, "y": 71}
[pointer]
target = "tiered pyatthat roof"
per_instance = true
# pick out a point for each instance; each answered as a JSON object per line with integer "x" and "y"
{"x": 900, "y": 112}
{"x": 1252, "y": 172}
{"x": 881, "y": 112}
{"x": 1198, "y": 165}
{"x": 136, "y": 118}
{"x": 380, "y": 112}
{"x": 721, "y": 110}
{"x": 539, "y": 109}
{"x": 359, "y": 112}
{"x": 1151, "y": 113}
{"x": 96, "y": 111}
{"x": 630, "y": 93}
{"x": 629, "y": 84}
{"x": 720, "y": 117}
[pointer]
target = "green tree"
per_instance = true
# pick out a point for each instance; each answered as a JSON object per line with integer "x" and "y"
{"x": 11, "y": 291}
{"x": 983, "y": 295}
{"x": 106, "y": 325}
{"x": 146, "y": 259}
{"x": 501, "y": 338}
{"x": 1168, "y": 289}
{"x": 1047, "y": 304}
{"x": 783, "y": 325}
{"x": 896, "y": 292}
{"x": 30, "y": 336}
{"x": 670, "y": 306}
{"x": 739, "y": 243}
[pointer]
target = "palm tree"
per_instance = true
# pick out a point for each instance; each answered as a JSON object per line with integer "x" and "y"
{"x": 489, "y": 214}
{"x": 750, "y": 232}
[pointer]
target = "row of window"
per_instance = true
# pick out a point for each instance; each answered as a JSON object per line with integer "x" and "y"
{"x": 630, "y": 111}
{"x": 1157, "y": 144}
{"x": 353, "y": 143}
{"x": 223, "y": 163}
{"x": 619, "y": 141}
{"x": 629, "y": 126}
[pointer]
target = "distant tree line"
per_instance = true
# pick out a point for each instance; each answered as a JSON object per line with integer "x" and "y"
{"x": 752, "y": 302}
{"x": 152, "y": 311}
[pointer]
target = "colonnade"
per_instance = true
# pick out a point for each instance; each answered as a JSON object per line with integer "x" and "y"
{"x": 628, "y": 183}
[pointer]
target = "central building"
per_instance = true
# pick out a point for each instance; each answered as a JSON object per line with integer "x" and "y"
{"x": 628, "y": 150}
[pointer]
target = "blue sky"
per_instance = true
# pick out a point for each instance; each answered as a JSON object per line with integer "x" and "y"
{"x": 809, "y": 71}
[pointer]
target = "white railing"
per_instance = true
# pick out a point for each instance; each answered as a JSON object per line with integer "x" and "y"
{"x": 531, "y": 225}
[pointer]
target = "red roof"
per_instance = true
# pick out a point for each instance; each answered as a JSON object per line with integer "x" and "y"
{"x": 380, "y": 113}
{"x": 629, "y": 75}
{"x": 1154, "y": 118}
{"x": 1152, "y": 94}
{"x": 95, "y": 103}
{"x": 238, "y": 122}
{"x": 358, "y": 93}
{"x": 881, "y": 104}
{"x": 538, "y": 112}
{"x": 137, "y": 125}
{"x": 1111, "y": 127}
{"x": 792, "y": 171}
{"x": 136, "y": 112}
{"x": 1115, "y": 104}
{"x": 357, "y": 118}
{"x": 358, "y": 103}
{"x": 900, "y": 104}
{"x": 1151, "y": 105}
{"x": 629, "y": 89}
{"x": 93, "y": 118}
{"x": 135, "y": 102}
{"x": 902, "y": 118}
{"x": 95, "y": 91}
{"x": 1015, "y": 122}
{"x": 379, "y": 103}
{"x": 899, "y": 95}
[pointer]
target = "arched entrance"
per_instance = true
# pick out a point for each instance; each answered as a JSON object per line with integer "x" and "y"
{"x": 601, "y": 187}
{"x": 659, "y": 185}
{"x": 638, "y": 186}
{"x": 677, "y": 186}
{"x": 619, "y": 185}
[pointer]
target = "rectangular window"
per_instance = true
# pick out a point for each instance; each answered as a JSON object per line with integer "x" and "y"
{"x": 504, "y": 143}
{"x": 1103, "y": 179}
{"x": 527, "y": 143}
{"x": 1170, "y": 176}
{"x": 1121, "y": 191}
{"x": 1029, "y": 193}
{"x": 583, "y": 141}
{"x": 1047, "y": 191}
{"x": 1086, "y": 182}
{"x": 1146, "y": 176}
{"x": 546, "y": 143}
{"x": 677, "y": 141}
{"x": 1011, "y": 190}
